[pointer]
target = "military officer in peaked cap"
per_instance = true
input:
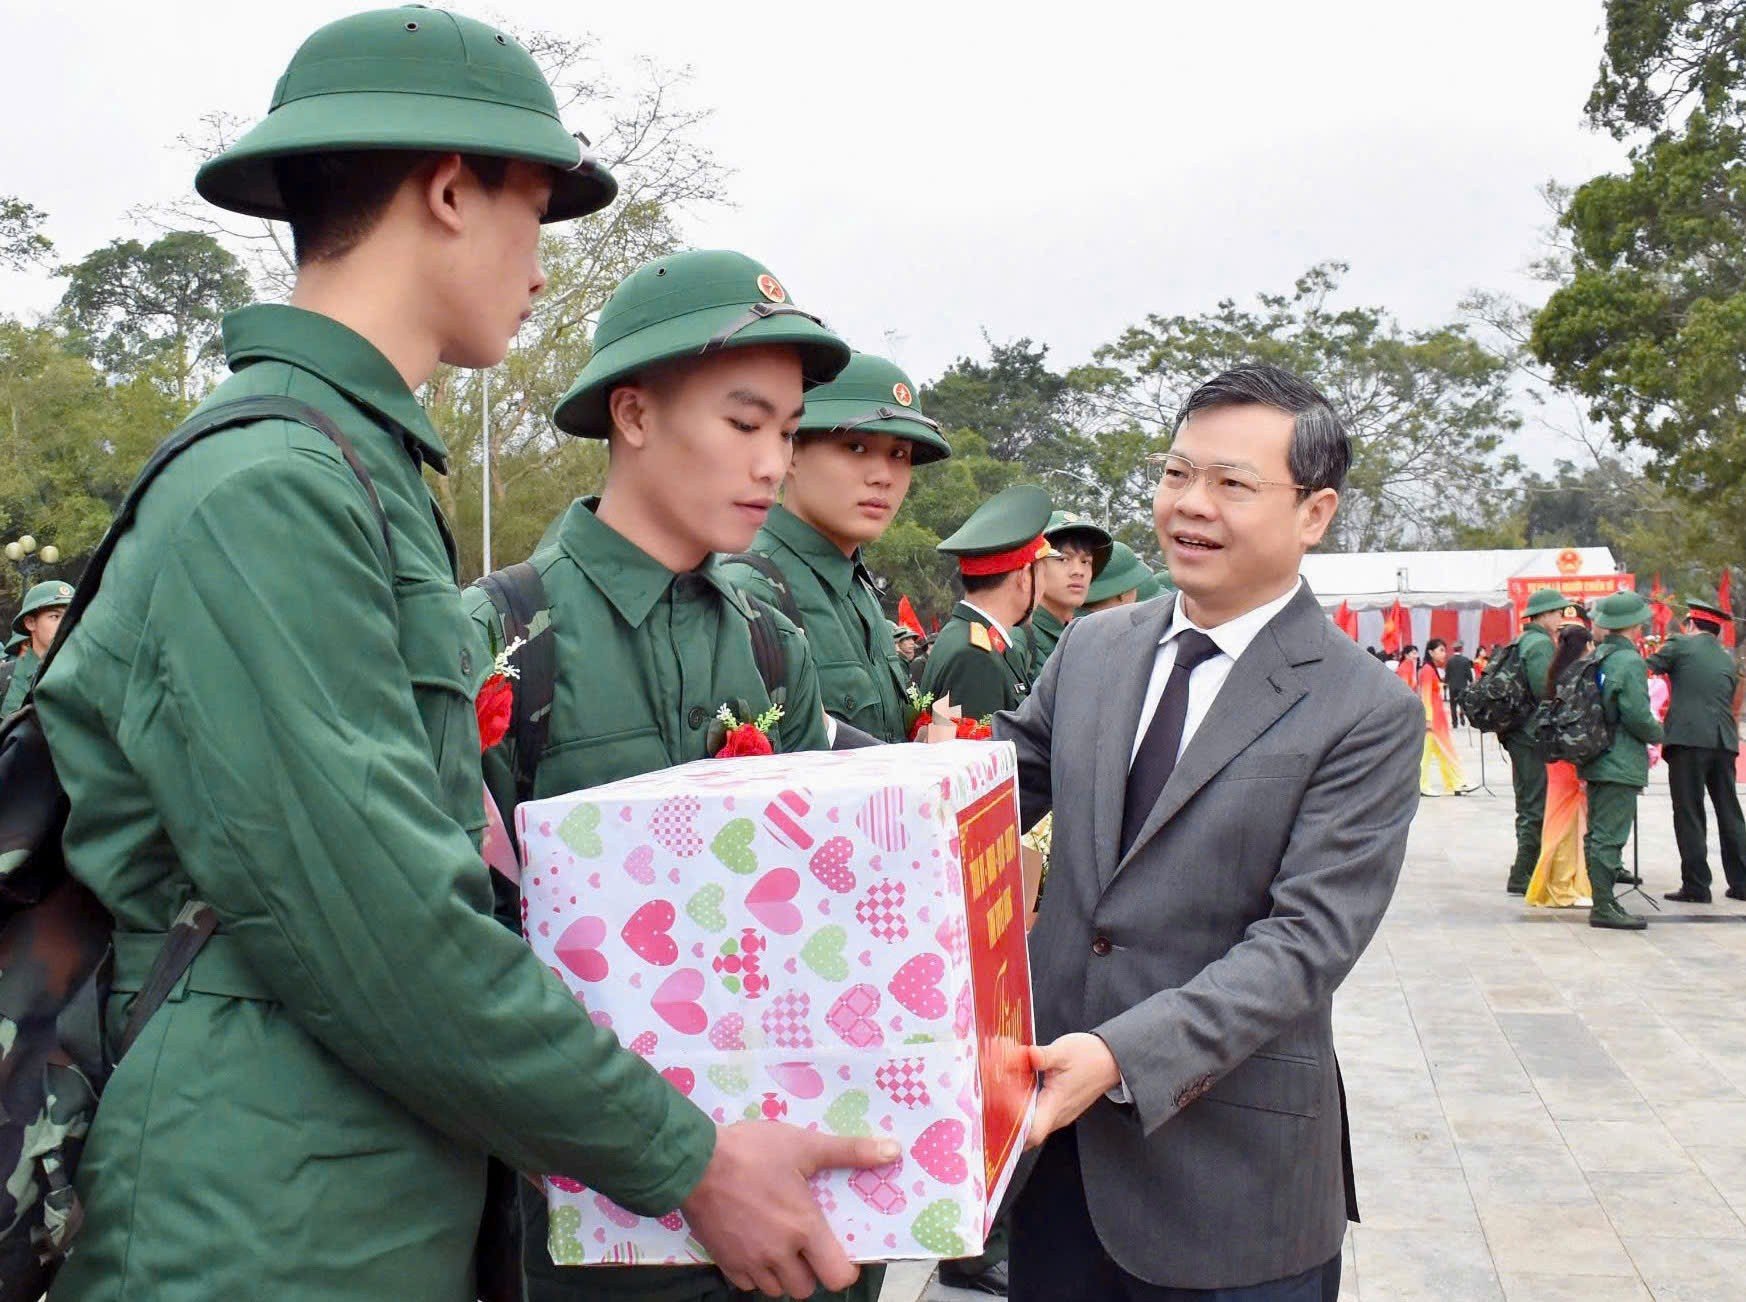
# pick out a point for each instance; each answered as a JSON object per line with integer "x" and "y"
{"x": 1703, "y": 738}
{"x": 979, "y": 659}
{"x": 35, "y": 625}
{"x": 312, "y": 1113}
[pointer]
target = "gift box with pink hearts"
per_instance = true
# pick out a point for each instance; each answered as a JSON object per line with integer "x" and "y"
{"x": 834, "y": 940}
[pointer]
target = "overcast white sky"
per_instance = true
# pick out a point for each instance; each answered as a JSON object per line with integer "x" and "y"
{"x": 936, "y": 170}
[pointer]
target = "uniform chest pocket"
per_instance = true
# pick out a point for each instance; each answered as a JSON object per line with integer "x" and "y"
{"x": 849, "y": 692}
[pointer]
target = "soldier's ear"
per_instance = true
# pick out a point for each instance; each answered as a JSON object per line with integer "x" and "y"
{"x": 442, "y": 182}
{"x": 629, "y": 407}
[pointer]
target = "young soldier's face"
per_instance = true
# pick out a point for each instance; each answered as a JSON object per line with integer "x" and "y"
{"x": 1067, "y": 577}
{"x": 849, "y": 486}
{"x": 714, "y": 442}
{"x": 42, "y": 627}
{"x": 493, "y": 272}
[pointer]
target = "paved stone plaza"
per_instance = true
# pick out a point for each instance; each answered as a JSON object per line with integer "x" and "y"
{"x": 1540, "y": 1111}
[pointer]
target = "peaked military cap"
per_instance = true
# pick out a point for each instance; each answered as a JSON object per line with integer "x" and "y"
{"x": 1544, "y": 601}
{"x": 875, "y": 395}
{"x": 410, "y": 78}
{"x": 1124, "y": 573}
{"x": 1004, "y": 534}
{"x": 1708, "y": 610}
{"x": 692, "y": 304}
{"x": 1620, "y": 610}
{"x": 1070, "y": 526}
{"x": 42, "y": 596}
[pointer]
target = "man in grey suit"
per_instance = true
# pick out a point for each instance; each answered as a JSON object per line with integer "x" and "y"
{"x": 1232, "y": 782}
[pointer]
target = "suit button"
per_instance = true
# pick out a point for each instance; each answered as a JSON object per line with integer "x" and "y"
{"x": 1101, "y": 947}
{"x": 697, "y": 716}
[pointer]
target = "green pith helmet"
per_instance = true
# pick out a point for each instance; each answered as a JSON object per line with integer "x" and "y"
{"x": 899, "y": 632}
{"x": 1124, "y": 573}
{"x": 15, "y": 642}
{"x": 1621, "y": 610}
{"x": 1543, "y": 601}
{"x": 689, "y": 305}
{"x": 875, "y": 396}
{"x": 412, "y": 79}
{"x": 1070, "y": 526}
{"x": 42, "y": 596}
{"x": 1150, "y": 587}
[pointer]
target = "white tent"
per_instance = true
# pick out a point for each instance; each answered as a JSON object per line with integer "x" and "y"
{"x": 1460, "y": 585}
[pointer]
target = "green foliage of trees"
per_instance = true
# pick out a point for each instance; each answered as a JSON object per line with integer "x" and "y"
{"x": 21, "y": 239}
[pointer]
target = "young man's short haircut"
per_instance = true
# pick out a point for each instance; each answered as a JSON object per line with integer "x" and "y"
{"x": 335, "y": 200}
{"x": 975, "y": 583}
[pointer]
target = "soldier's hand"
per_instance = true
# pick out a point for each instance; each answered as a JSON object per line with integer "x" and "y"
{"x": 756, "y": 1215}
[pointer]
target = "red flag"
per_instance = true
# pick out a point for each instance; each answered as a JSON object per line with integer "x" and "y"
{"x": 1724, "y": 599}
{"x": 1346, "y": 621}
{"x": 1394, "y": 626}
{"x": 1661, "y": 612}
{"x": 907, "y": 617}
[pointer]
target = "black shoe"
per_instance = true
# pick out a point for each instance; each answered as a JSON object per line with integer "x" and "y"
{"x": 1516, "y": 890}
{"x": 992, "y": 1280}
{"x": 1630, "y": 879}
{"x": 1734, "y": 893}
{"x": 1684, "y": 896}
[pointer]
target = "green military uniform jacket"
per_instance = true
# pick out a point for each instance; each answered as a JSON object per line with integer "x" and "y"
{"x": 1625, "y": 698}
{"x": 23, "y": 675}
{"x": 1703, "y": 677}
{"x": 965, "y": 663}
{"x": 1041, "y": 634}
{"x": 258, "y": 712}
{"x": 861, "y": 677}
{"x": 644, "y": 660}
{"x": 1536, "y": 649}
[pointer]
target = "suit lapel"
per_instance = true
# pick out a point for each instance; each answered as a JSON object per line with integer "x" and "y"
{"x": 1259, "y": 689}
{"x": 1133, "y": 654}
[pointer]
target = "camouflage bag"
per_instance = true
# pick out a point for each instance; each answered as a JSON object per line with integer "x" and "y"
{"x": 1500, "y": 700}
{"x": 1573, "y": 719}
{"x": 56, "y": 957}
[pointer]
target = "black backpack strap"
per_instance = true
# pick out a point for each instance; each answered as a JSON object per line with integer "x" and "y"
{"x": 519, "y": 596}
{"x": 767, "y": 649}
{"x": 224, "y": 415}
{"x": 778, "y": 580}
{"x": 196, "y": 922}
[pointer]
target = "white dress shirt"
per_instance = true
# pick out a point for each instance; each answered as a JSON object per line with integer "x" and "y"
{"x": 1232, "y": 639}
{"x": 990, "y": 620}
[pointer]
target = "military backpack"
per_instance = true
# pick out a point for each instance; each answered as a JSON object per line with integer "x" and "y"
{"x": 1572, "y": 721}
{"x": 56, "y": 953}
{"x": 1500, "y": 700}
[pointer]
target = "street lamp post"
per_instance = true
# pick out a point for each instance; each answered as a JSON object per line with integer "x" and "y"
{"x": 23, "y": 553}
{"x": 1108, "y": 494}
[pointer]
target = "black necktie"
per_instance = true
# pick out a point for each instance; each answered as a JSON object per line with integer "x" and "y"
{"x": 1156, "y": 758}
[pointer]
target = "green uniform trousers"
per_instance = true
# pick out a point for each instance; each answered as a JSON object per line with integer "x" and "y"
{"x": 1612, "y": 808}
{"x": 1693, "y": 771}
{"x": 1528, "y": 777}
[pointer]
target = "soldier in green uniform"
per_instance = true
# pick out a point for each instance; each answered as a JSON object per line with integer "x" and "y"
{"x": 1616, "y": 776}
{"x": 861, "y": 436}
{"x": 976, "y": 659}
{"x": 36, "y": 623}
{"x": 1081, "y": 551}
{"x": 1703, "y": 737}
{"x": 697, "y": 379}
{"x": 907, "y": 642}
{"x": 1120, "y": 582}
{"x": 1527, "y": 760}
{"x": 310, "y": 1114}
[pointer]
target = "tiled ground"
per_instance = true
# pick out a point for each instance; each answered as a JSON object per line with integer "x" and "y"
{"x": 1540, "y": 1111}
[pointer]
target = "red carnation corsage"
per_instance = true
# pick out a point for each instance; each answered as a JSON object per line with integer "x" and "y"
{"x": 734, "y": 734}
{"x": 494, "y": 703}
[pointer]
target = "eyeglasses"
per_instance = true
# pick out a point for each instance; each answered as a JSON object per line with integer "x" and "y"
{"x": 1228, "y": 483}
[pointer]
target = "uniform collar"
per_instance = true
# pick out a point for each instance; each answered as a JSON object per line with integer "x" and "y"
{"x": 632, "y": 580}
{"x": 339, "y": 355}
{"x": 823, "y": 557}
{"x": 971, "y": 611}
{"x": 1043, "y": 618}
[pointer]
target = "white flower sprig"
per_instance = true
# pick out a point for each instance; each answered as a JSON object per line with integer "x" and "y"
{"x": 502, "y": 666}
{"x": 763, "y": 723}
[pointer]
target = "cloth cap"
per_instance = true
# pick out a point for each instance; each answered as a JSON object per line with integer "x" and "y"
{"x": 412, "y": 79}
{"x": 689, "y": 305}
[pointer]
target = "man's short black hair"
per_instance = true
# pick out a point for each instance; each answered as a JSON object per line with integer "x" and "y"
{"x": 1705, "y": 622}
{"x": 334, "y": 200}
{"x": 1321, "y": 451}
{"x": 974, "y": 583}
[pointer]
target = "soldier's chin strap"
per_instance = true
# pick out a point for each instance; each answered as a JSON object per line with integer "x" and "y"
{"x": 890, "y": 413}
{"x": 754, "y": 314}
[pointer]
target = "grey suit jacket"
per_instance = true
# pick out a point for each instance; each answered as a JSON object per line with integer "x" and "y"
{"x": 1208, "y": 956}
